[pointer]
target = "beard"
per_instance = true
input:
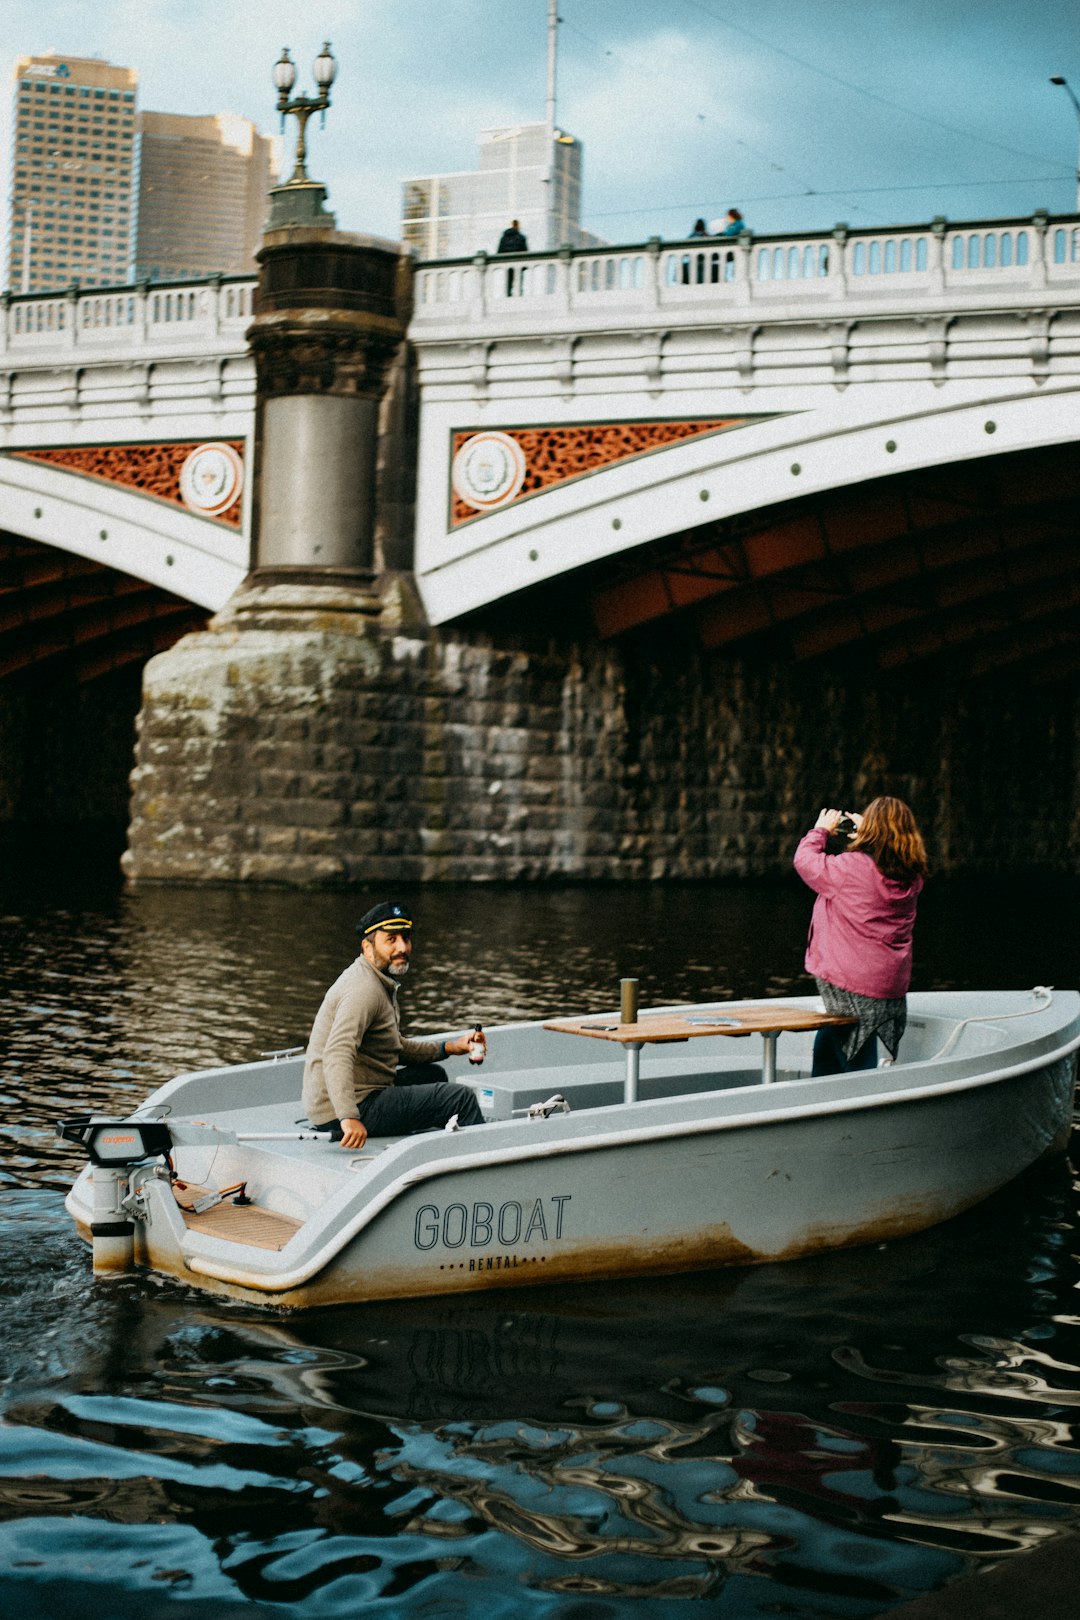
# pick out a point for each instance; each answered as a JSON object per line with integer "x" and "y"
{"x": 397, "y": 970}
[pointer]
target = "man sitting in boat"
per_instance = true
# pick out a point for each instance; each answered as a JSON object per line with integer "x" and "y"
{"x": 360, "y": 1075}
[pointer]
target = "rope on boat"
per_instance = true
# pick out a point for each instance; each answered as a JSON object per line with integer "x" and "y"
{"x": 1044, "y": 996}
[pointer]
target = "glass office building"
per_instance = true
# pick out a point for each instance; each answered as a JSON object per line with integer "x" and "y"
{"x": 203, "y": 184}
{"x": 73, "y": 172}
{"x": 525, "y": 173}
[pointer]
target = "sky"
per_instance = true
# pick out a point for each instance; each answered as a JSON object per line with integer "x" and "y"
{"x": 802, "y": 113}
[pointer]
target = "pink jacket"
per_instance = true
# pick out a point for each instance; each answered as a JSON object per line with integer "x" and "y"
{"x": 860, "y": 932}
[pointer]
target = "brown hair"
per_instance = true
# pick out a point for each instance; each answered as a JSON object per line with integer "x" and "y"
{"x": 890, "y": 836}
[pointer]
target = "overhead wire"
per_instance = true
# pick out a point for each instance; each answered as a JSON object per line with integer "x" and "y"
{"x": 871, "y": 95}
{"x": 863, "y": 191}
{"x": 848, "y": 192}
{"x": 654, "y": 73}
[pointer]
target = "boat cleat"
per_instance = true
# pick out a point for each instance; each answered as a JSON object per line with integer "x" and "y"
{"x": 554, "y": 1105}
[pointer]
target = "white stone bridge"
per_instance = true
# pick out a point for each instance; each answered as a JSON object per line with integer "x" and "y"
{"x": 758, "y": 432}
{"x": 752, "y": 432}
{"x": 115, "y": 535}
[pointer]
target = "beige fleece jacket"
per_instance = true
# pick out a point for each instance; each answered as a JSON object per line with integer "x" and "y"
{"x": 356, "y": 1043}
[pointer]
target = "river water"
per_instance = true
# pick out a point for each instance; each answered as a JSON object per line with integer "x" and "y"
{"x": 829, "y": 1437}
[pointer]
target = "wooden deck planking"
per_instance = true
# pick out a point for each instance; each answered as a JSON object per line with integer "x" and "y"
{"x": 250, "y": 1224}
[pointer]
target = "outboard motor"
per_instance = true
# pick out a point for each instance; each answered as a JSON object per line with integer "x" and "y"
{"x": 113, "y": 1146}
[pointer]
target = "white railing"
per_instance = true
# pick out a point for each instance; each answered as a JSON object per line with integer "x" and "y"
{"x": 128, "y": 318}
{"x": 920, "y": 262}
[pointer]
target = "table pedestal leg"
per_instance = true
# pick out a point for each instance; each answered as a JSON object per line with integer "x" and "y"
{"x": 633, "y": 1069}
{"x": 768, "y": 1058}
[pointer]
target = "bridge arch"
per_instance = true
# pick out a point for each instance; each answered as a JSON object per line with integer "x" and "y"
{"x": 620, "y": 514}
{"x": 150, "y": 540}
{"x": 973, "y": 562}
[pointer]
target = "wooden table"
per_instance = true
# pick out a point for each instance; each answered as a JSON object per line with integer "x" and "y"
{"x": 653, "y": 1029}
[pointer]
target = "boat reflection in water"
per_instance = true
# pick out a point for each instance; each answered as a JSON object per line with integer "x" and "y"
{"x": 831, "y": 1434}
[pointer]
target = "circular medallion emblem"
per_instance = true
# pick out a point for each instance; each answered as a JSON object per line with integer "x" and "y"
{"x": 211, "y": 479}
{"x": 488, "y": 470}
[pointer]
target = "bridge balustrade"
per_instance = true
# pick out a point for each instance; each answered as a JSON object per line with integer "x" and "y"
{"x": 787, "y": 264}
{"x": 128, "y": 317}
{"x": 989, "y": 250}
{"x": 915, "y": 262}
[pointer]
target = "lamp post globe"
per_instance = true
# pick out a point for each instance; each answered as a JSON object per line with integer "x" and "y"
{"x": 325, "y": 68}
{"x": 284, "y": 73}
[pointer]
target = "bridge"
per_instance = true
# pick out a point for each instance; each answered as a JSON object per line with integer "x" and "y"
{"x": 755, "y": 433}
{"x": 113, "y": 528}
{"x": 653, "y": 485}
{"x": 727, "y": 427}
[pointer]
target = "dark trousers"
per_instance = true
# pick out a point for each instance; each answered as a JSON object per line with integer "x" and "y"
{"x": 420, "y": 1099}
{"x": 829, "y": 1052}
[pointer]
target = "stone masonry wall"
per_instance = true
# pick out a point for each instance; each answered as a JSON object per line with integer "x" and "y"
{"x": 324, "y": 745}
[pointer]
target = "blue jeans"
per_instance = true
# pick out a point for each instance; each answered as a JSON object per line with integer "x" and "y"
{"x": 829, "y": 1053}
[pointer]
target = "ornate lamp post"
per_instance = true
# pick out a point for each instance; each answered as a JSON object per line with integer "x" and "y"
{"x": 1059, "y": 79}
{"x": 302, "y": 107}
{"x": 300, "y": 200}
{"x": 328, "y": 322}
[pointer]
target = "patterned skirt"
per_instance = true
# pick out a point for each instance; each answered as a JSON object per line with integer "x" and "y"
{"x": 885, "y": 1019}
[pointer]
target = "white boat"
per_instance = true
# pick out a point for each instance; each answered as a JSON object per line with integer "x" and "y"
{"x": 691, "y": 1154}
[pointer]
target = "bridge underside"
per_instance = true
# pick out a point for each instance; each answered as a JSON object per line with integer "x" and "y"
{"x": 58, "y": 608}
{"x": 976, "y": 565}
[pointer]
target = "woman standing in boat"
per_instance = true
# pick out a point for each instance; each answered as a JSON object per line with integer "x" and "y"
{"x": 859, "y": 949}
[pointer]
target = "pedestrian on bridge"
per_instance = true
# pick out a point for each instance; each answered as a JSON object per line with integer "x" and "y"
{"x": 513, "y": 239}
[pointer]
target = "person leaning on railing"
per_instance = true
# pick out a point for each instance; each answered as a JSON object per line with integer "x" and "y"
{"x": 860, "y": 944}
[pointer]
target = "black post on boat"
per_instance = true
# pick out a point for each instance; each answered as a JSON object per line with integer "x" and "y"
{"x": 628, "y": 1001}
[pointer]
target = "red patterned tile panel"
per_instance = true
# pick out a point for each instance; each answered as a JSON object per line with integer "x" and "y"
{"x": 555, "y": 455}
{"x": 154, "y": 469}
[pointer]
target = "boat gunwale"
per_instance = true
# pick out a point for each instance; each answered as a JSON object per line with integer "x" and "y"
{"x": 275, "y": 1279}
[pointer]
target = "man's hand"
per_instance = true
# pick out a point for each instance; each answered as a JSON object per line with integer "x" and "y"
{"x": 353, "y": 1133}
{"x": 459, "y": 1045}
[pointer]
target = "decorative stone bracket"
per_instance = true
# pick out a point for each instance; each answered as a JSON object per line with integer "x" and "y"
{"x": 323, "y": 352}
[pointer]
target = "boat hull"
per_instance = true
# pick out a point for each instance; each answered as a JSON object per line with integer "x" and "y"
{"x": 763, "y": 1193}
{"x": 663, "y": 1190}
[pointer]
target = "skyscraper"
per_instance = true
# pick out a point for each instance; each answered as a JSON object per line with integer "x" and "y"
{"x": 203, "y": 184}
{"x": 527, "y": 172}
{"x": 72, "y": 173}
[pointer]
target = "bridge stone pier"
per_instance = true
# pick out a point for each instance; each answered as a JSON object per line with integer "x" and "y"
{"x": 617, "y": 564}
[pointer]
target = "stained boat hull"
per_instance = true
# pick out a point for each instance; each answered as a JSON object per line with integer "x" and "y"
{"x": 731, "y": 1173}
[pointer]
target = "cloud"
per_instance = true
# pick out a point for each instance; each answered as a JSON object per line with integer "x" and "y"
{"x": 681, "y": 106}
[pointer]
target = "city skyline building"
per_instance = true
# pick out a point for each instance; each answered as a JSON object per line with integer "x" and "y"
{"x": 203, "y": 194}
{"x": 73, "y": 172}
{"x": 528, "y": 172}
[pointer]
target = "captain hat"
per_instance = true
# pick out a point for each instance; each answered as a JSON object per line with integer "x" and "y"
{"x": 387, "y": 914}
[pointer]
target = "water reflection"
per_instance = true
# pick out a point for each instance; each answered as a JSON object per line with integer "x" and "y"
{"x": 830, "y": 1437}
{"x": 746, "y": 1434}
